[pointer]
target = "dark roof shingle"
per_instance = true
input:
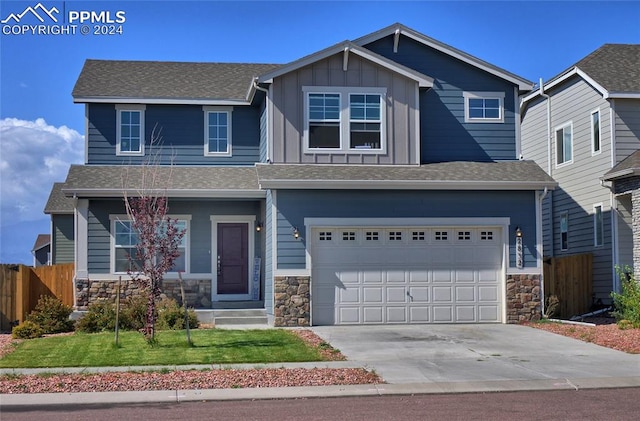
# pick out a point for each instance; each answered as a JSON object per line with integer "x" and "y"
{"x": 58, "y": 202}
{"x": 42, "y": 241}
{"x": 630, "y": 166}
{"x": 614, "y": 66}
{"x": 166, "y": 80}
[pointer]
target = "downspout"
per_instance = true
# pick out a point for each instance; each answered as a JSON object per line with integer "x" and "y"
{"x": 541, "y": 239}
{"x": 266, "y": 91}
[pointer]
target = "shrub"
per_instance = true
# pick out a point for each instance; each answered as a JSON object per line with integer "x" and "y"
{"x": 627, "y": 303}
{"x": 27, "y": 330}
{"x": 133, "y": 313}
{"x": 171, "y": 316}
{"x": 100, "y": 316}
{"x": 52, "y": 315}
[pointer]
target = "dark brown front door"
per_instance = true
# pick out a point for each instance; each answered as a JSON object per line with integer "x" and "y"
{"x": 233, "y": 258}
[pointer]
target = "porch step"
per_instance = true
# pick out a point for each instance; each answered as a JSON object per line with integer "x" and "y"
{"x": 233, "y": 316}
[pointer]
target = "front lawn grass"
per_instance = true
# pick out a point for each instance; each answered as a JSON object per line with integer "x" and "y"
{"x": 210, "y": 346}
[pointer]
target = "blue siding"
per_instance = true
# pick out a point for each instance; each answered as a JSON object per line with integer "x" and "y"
{"x": 295, "y": 205}
{"x": 268, "y": 255}
{"x": 181, "y": 129}
{"x": 445, "y": 135}
{"x": 63, "y": 241}
{"x": 199, "y": 235}
{"x": 263, "y": 135}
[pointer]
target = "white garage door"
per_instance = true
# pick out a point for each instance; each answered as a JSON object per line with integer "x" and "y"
{"x": 406, "y": 275}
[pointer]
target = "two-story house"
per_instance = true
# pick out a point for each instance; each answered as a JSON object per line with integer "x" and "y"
{"x": 375, "y": 181}
{"x": 583, "y": 128}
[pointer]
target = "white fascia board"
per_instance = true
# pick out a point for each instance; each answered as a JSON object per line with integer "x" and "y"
{"x": 621, "y": 174}
{"x": 523, "y": 84}
{"x": 163, "y": 101}
{"x": 424, "y": 81}
{"x": 313, "y": 222}
{"x": 572, "y": 72}
{"x": 405, "y": 185}
{"x": 182, "y": 193}
{"x": 622, "y": 95}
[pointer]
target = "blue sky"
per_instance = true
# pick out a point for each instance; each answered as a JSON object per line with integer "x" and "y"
{"x": 41, "y": 129}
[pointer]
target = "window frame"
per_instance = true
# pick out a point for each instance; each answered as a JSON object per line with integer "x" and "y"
{"x": 115, "y": 219}
{"x": 564, "y": 233}
{"x": 345, "y": 120}
{"x": 564, "y": 153}
{"x": 221, "y": 110}
{"x": 595, "y": 151}
{"x": 120, "y": 108}
{"x": 484, "y": 96}
{"x": 598, "y": 225}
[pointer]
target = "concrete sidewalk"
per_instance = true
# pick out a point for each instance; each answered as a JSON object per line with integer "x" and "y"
{"x": 412, "y": 359}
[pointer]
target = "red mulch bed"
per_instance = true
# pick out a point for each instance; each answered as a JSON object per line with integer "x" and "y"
{"x": 604, "y": 333}
{"x": 190, "y": 379}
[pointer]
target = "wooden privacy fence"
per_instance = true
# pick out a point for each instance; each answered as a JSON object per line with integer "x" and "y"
{"x": 21, "y": 286}
{"x": 570, "y": 278}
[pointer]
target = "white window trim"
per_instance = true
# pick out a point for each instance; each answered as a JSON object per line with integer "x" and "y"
{"x": 345, "y": 119}
{"x": 593, "y": 151}
{"x": 564, "y": 214}
{"x": 112, "y": 241}
{"x": 595, "y": 225}
{"x": 229, "y": 110}
{"x": 483, "y": 95}
{"x": 555, "y": 137}
{"x": 130, "y": 107}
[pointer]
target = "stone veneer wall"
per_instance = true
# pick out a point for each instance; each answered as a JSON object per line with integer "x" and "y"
{"x": 197, "y": 292}
{"x": 523, "y": 298}
{"x": 292, "y": 301}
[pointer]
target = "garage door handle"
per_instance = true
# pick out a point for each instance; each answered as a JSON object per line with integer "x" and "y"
{"x": 410, "y": 296}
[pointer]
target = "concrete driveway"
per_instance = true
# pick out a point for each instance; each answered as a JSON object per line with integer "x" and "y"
{"x": 476, "y": 353}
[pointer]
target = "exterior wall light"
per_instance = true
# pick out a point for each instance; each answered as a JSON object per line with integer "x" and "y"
{"x": 259, "y": 227}
{"x": 519, "y": 252}
{"x": 296, "y": 233}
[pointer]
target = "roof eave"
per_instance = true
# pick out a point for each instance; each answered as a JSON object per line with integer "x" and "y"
{"x": 407, "y": 184}
{"x": 629, "y": 172}
{"x": 175, "y": 193}
{"x": 168, "y": 101}
{"x": 562, "y": 78}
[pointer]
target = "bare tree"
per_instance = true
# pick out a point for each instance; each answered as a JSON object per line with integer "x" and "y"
{"x": 158, "y": 236}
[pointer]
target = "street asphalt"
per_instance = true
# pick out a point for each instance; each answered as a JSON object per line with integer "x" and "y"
{"x": 412, "y": 359}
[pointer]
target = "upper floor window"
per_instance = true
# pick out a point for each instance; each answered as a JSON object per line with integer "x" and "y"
{"x": 564, "y": 144}
{"x": 130, "y": 129}
{"x": 598, "y": 225}
{"x": 483, "y": 107}
{"x": 344, "y": 119}
{"x": 217, "y": 131}
{"x": 595, "y": 132}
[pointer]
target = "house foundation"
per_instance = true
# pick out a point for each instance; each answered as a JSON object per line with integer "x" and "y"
{"x": 292, "y": 306}
{"x": 523, "y": 298}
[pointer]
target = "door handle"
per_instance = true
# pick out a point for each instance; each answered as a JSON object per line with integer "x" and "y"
{"x": 219, "y": 266}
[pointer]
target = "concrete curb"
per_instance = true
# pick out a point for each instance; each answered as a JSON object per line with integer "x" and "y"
{"x": 23, "y": 401}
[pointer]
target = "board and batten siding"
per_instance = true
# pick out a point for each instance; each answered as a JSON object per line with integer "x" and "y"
{"x": 445, "y": 135}
{"x": 288, "y": 112}
{"x": 264, "y": 135}
{"x": 627, "y": 125}
{"x": 180, "y": 133}
{"x": 63, "y": 241}
{"x": 295, "y": 205}
{"x": 200, "y": 240}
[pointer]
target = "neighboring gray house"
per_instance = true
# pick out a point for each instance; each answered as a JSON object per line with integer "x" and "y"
{"x": 583, "y": 128}
{"x": 41, "y": 250}
{"x": 375, "y": 181}
{"x": 61, "y": 209}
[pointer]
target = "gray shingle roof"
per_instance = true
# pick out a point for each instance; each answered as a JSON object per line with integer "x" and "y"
{"x": 112, "y": 180}
{"x": 630, "y": 166}
{"x": 454, "y": 175}
{"x": 167, "y": 80}
{"x": 614, "y": 66}
{"x": 58, "y": 202}
{"x": 42, "y": 241}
